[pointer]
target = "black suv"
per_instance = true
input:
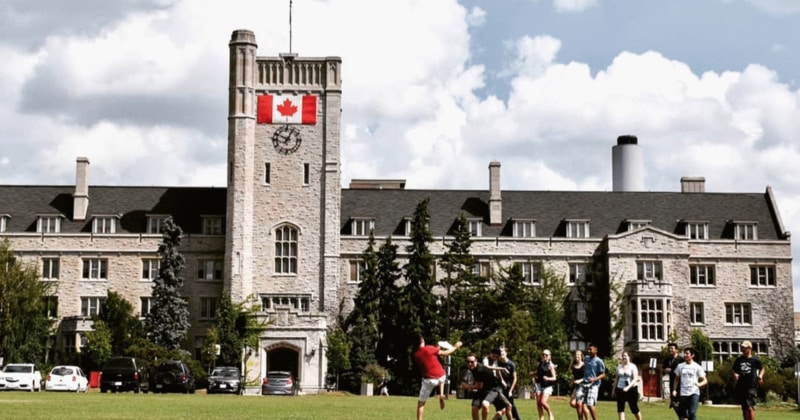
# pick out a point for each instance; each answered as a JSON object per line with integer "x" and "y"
{"x": 124, "y": 374}
{"x": 173, "y": 376}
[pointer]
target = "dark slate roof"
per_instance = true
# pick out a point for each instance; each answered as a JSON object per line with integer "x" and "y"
{"x": 186, "y": 204}
{"x": 607, "y": 212}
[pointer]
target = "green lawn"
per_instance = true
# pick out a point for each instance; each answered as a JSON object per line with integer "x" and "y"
{"x": 50, "y": 405}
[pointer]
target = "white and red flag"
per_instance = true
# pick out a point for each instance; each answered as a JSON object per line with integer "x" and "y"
{"x": 287, "y": 109}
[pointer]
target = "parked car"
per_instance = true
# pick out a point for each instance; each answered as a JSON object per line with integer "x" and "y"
{"x": 279, "y": 383}
{"x": 173, "y": 376}
{"x": 225, "y": 379}
{"x": 21, "y": 376}
{"x": 66, "y": 378}
{"x": 124, "y": 374}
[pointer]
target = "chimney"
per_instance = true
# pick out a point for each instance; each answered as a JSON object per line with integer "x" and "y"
{"x": 81, "y": 196}
{"x": 627, "y": 166}
{"x": 495, "y": 202}
{"x": 693, "y": 184}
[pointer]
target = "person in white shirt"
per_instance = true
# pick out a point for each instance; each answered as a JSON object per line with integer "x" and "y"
{"x": 689, "y": 378}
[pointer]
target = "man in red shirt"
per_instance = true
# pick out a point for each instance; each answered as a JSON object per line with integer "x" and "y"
{"x": 433, "y": 374}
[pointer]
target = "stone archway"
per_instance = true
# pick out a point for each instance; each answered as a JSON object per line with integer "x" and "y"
{"x": 284, "y": 356}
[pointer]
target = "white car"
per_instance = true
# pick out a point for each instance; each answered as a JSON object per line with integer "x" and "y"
{"x": 66, "y": 378}
{"x": 21, "y": 376}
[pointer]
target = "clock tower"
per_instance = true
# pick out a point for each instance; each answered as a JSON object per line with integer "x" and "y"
{"x": 283, "y": 202}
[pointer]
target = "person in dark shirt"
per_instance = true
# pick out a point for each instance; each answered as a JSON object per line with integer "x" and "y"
{"x": 749, "y": 374}
{"x": 488, "y": 386}
{"x": 668, "y": 367}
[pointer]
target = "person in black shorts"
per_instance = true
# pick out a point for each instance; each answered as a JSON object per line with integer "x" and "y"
{"x": 489, "y": 389}
{"x": 668, "y": 366}
{"x": 749, "y": 374}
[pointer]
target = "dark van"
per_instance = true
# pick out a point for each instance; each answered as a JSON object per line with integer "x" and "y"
{"x": 124, "y": 374}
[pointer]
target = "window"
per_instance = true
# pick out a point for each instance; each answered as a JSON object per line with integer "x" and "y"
{"x": 578, "y": 273}
{"x": 286, "y": 250}
{"x": 361, "y": 227}
{"x": 738, "y": 314}
{"x": 745, "y": 232}
{"x": 580, "y": 312}
{"x": 696, "y": 313}
{"x": 90, "y": 306}
{"x": 306, "y": 174}
{"x": 150, "y": 268}
{"x": 637, "y": 224}
{"x": 648, "y": 270}
{"x": 577, "y": 229}
{"x": 267, "y": 173}
{"x": 407, "y": 226}
{"x": 145, "y": 306}
{"x": 524, "y": 229}
{"x": 4, "y": 222}
{"x": 209, "y": 270}
{"x": 154, "y": 224}
{"x": 762, "y": 276}
{"x": 648, "y": 319}
{"x": 474, "y": 226}
{"x": 95, "y": 269}
{"x": 531, "y": 273}
{"x": 482, "y": 269}
{"x": 48, "y": 224}
{"x": 212, "y": 225}
{"x": 697, "y": 230}
{"x": 104, "y": 224}
{"x": 724, "y": 350}
{"x": 51, "y": 306}
{"x": 50, "y": 268}
{"x": 271, "y": 303}
{"x": 357, "y": 268}
{"x": 702, "y": 275}
{"x": 208, "y": 307}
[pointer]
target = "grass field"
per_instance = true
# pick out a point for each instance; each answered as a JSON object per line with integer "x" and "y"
{"x": 50, "y": 405}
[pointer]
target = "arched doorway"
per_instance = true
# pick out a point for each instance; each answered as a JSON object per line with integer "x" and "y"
{"x": 283, "y": 357}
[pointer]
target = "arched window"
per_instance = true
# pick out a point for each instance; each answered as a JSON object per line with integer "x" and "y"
{"x": 285, "y": 250}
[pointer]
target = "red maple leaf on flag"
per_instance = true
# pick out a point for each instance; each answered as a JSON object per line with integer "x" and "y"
{"x": 286, "y": 108}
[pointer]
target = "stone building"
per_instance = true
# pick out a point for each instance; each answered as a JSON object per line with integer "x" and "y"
{"x": 287, "y": 235}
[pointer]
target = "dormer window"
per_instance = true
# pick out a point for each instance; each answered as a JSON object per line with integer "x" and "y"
{"x": 638, "y": 224}
{"x": 155, "y": 224}
{"x": 474, "y": 226}
{"x": 212, "y": 225}
{"x": 697, "y": 230}
{"x": 361, "y": 226}
{"x": 407, "y": 226}
{"x": 4, "y": 222}
{"x": 104, "y": 224}
{"x": 745, "y": 231}
{"x": 524, "y": 228}
{"x": 48, "y": 224}
{"x": 577, "y": 228}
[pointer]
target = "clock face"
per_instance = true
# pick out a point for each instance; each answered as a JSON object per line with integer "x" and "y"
{"x": 286, "y": 140}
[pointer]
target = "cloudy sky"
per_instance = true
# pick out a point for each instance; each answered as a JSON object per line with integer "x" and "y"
{"x": 433, "y": 90}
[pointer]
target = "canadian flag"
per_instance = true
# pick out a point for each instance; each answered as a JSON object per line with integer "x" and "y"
{"x": 287, "y": 109}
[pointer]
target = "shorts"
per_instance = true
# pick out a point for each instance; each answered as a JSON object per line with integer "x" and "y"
{"x": 428, "y": 384}
{"x": 494, "y": 397}
{"x": 547, "y": 390}
{"x": 747, "y": 398}
{"x": 587, "y": 395}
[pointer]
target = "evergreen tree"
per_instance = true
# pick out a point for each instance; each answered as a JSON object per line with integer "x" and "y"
{"x": 457, "y": 262}
{"x": 362, "y": 322}
{"x": 123, "y": 325}
{"x": 99, "y": 344}
{"x": 391, "y": 346}
{"x": 227, "y": 337}
{"x": 548, "y": 304}
{"x": 24, "y": 323}
{"x": 168, "y": 321}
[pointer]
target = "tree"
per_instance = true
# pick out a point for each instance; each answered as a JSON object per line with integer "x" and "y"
{"x": 168, "y": 321}
{"x": 236, "y": 327}
{"x": 99, "y": 343}
{"x": 362, "y": 322}
{"x": 338, "y": 352}
{"x": 548, "y": 303}
{"x": 123, "y": 325}
{"x": 24, "y": 323}
{"x": 457, "y": 262}
{"x": 391, "y": 347}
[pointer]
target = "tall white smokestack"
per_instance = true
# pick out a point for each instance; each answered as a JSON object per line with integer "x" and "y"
{"x": 495, "y": 200}
{"x": 627, "y": 165}
{"x": 81, "y": 195}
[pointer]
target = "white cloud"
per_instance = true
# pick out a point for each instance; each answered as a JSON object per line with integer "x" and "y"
{"x": 573, "y": 6}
